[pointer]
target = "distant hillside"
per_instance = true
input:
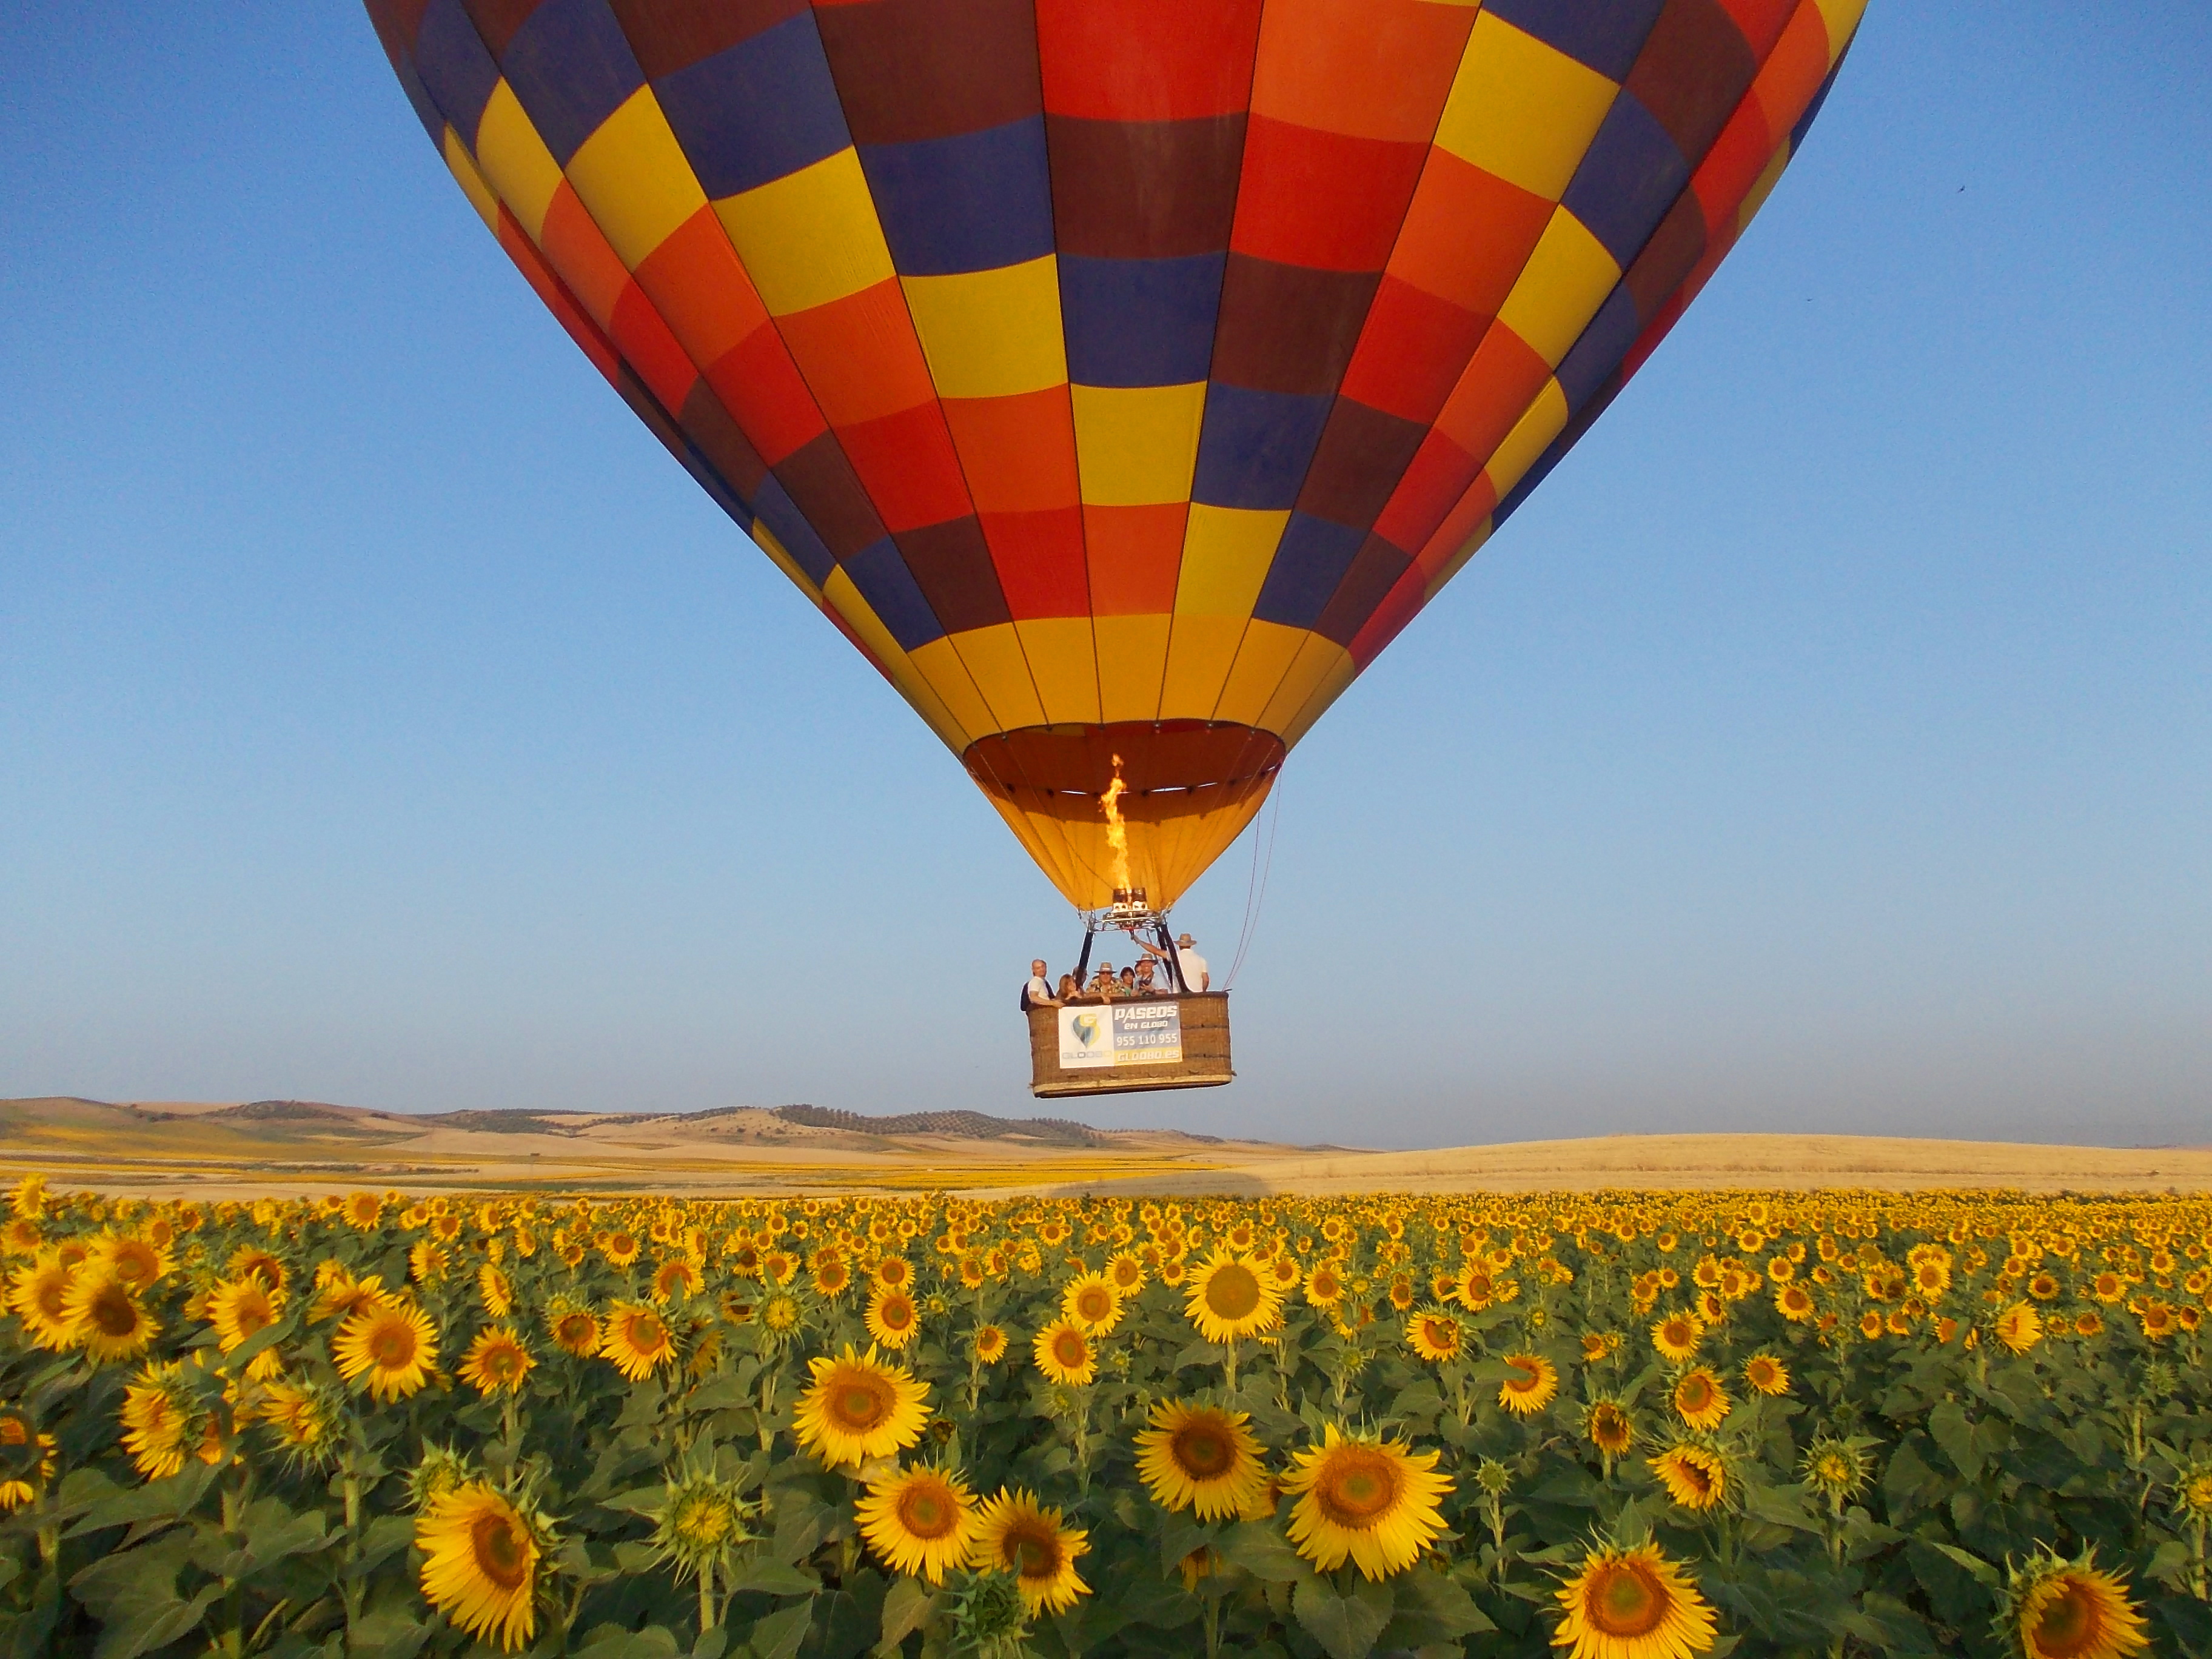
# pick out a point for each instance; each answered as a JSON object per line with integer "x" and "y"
{"x": 971, "y": 1126}
{"x": 289, "y": 1120}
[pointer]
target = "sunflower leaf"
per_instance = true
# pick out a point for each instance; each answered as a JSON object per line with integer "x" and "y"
{"x": 779, "y": 1634}
{"x": 1347, "y": 1625}
{"x": 1264, "y": 1552}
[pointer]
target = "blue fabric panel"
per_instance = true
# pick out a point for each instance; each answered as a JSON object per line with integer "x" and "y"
{"x": 1309, "y": 561}
{"x": 571, "y": 66}
{"x": 978, "y": 201}
{"x": 761, "y": 109}
{"x": 789, "y": 526}
{"x": 1256, "y": 446}
{"x": 1606, "y": 34}
{"x": 1139, "y": 322}
{"x": 1628, "y": 178}
{"x": 893, "y": 595}
{"x": 1598, "y": 352}
{"x": 457, "y": 71}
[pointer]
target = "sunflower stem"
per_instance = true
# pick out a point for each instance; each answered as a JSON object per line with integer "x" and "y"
{"x": 706, "y": 1597}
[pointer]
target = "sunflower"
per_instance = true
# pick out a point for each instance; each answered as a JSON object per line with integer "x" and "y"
{"x": 1767, "y": 1375}
{"x": 1676, "y": 1336}
{"x": 1201, "y": 1457}
{"x": 2020, "y": 1327}
{"x": 362, "y": 1211}
{"x": 1091, "y": 1301}
{"x": 1015, "y": 1533}
{"x": 134, "y": 1260}
{"x": 1632, "y": 1604}
{"x": 1375, "y": 1501}
{"x": 252, "y": 1259}
{"x": 1435, "y": 1337}
{"x": 105, "y": 1318}
{"x": 480, "y": 1557}
{"x": 637, "y": 1339}
{"x": 677, "y": 1279}
{"x": 1607, "y": 1425}
{"x": 780, "y": 1314}
{"x": 857, "y": 1407}
{"x": 918, "y": 1522}
{"x": 1531, "y": 1381}
{"x": 162, "y": 1422}
{"x": 891, "y": 1318}
{"x": 496, "y": 1362}
{"x": 240, "y": 1309}
{"x": 620, "y": 1249}
{"x": 1838, "y": 1469}
{"x": 2070, "y": 1610}
{"x": 497, "y": 1293}
{"x": 831, "y": 1276}
{"x": 1694, "y": 1477}
{"x": 1229, "y": 1298}
{"x": 1324, "y": 1285}
{"x": 575, "y": 1330}
{"x": 304, "y": 1416}
{"x": 1126, "y": 1273}
{"x": 391, "y": 1348}
{"x": 35, "y": 1294}
{"x": 1699, "y": 1399}
{"x": 990, "y": 1345}
{"x": 1063, "y": 1354}
{"x": 341, "y": 1293}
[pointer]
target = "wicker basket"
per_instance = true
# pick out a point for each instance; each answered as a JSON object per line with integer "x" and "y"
{"x": 1205, "y": 1062}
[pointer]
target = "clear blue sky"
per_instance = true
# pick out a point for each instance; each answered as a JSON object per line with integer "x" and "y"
{"x": 385, "y": 719}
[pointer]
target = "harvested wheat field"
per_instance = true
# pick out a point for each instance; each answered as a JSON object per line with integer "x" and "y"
{"x": 240, "y": 1149}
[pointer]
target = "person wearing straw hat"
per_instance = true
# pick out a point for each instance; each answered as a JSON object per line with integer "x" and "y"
{"x": 1194, "y": 974}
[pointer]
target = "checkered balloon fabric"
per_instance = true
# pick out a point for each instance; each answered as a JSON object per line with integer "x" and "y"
{"x": 1120, "y": 376}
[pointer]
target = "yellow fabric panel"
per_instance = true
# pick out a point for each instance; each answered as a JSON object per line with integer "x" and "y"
{"x": 1001, "y": 673}
{"x": 1566, "y": 279}
{"x": 632, "y": 177}
{"x": 1541, "y": 423}
{"x": 1317, "y": 659}
{"x": 1201, "y": 652}
{"x": 1041, "y": 840}
{"x": 1136, "y": 444}
{"x": 809, "y": 237}
{"x": 1521, "y": 110}
{"x": 1225, "y": 553}
{"x": 1132, "y": 659}
{"x": 1842, "y": 17}
{"x": 1333, "y": 685}
{"x": 515, "y": 159}
{"x": 991, "y": 333}
{"x": 845, "y": 599}
{"x": 1063, "y": 661}
{"x": 1165, "y": 859}
{"x": 948, "y": 672}
{"x": 1457, "y": 562}
{"x": 473, "y": 184}
{"x": 1268, "y": 650}
{"x": 765, "y": 540}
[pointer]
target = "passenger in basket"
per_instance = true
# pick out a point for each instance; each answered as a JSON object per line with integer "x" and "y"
{"x": 1128, "y": 983}
{"x": 1103, "y": 984}
{"x": 1037, "y": 993}
{"x": 1194, "y": 976}
{"x": 1144, "y": 985}
{"x": 1069, "y": 990}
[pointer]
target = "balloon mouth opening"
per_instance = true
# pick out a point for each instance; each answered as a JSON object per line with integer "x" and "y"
{"x": 1166, "y": 770}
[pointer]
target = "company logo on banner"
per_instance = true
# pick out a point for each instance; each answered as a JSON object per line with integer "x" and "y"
{"x": 1121, "y": 1033}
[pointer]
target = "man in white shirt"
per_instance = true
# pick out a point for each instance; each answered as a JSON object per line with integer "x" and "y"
{"x": 1194, "y": 976}
{"x": 1037, "y": 994}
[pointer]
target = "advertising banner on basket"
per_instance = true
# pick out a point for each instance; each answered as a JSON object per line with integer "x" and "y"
{"x": 1121, "y": 1033}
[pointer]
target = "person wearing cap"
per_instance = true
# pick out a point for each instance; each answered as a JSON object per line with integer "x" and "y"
{"x": 1103, "y": 984}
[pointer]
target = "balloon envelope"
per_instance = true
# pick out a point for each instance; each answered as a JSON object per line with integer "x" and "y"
{"x": 1120, "y": 376}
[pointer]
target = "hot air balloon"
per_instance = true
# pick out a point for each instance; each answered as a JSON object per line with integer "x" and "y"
{"x": 1120, "y": 376}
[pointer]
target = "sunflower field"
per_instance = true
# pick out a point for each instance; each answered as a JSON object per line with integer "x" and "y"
{"x": 1626, "y": 1426}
